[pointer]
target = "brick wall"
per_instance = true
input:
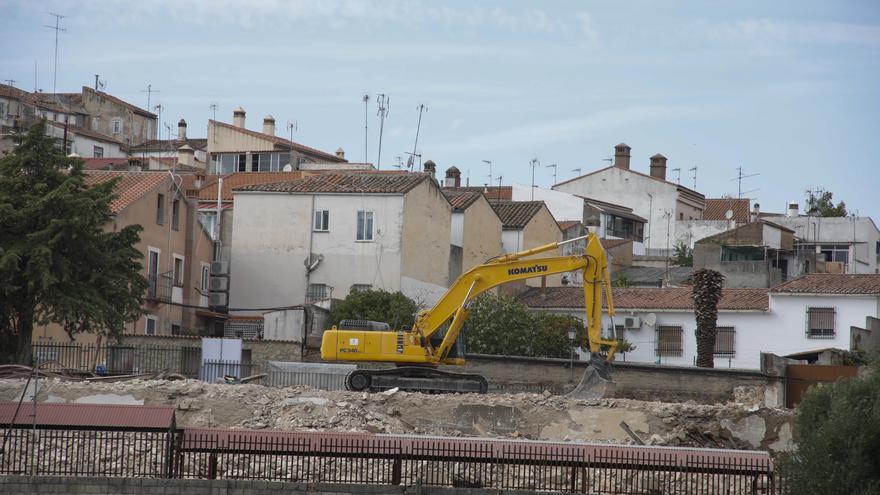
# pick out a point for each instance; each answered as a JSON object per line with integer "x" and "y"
{"x": 262, "y": 351}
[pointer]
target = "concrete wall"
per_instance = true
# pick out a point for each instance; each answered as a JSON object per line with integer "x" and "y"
{"x": 84, "y": 146}
{"x": 691, "y": 231}
{"x": 262, "y": 351}
{"x": 737, "y": 274}
{"x": 542, "y": 229}
{"x": 781, "y": 330}
{"x": 563, "y": 205}
{"x": 136, "y": 128}
{"x": 225, "y": 139}
{"x": 632, "y": 190}
{"x": 482, "y": 232}
{"x": 844, "y": 230}
{"x": 70, "y": 485}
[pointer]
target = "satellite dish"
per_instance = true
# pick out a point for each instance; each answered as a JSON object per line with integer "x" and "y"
{"x": 650, "y": 319}
{"x": 728, "y": 214}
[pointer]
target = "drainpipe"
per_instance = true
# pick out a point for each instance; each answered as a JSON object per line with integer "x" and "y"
{"x": 309, "y": 266}
{"x": 217, "y": 220}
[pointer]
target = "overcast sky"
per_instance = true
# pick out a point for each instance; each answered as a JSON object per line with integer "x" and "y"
{"x": 788, "y": 90}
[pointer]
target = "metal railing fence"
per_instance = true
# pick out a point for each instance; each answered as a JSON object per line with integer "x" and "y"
{"x": 119, "y": 359}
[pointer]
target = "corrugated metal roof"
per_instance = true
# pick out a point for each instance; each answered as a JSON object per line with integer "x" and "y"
{"x": 88, "y": 416}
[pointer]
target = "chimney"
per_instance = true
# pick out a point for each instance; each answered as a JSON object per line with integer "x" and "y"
{"x": 792, "y": 209}
{"x": 756, "y": 212}
{"x": 340, "y": 153}
{"x": 181, "y": 130}
{"x": 238, "y": 117}
{"x": 430, "y": 167}
{"x": 268, "y": 125}
{"x": 621, "y": 156}
{"x": 658, "y": 166}
{"x": 186, "y": 155}
{"x": 453, "y": 177}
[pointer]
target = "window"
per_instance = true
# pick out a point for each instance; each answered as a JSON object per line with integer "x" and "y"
{"x": 151, "y": 324}
{"x": 206, "y": 277}
{"x": 152, "y": 273}
{"x": 361, "y": 288}
{"x": 175, "y": 329}
{"x": 242, "y": 163}
{"x": 208, "y": 219}
{"x": 97, "y": 152}
{"x": 116, "y": 126}
{"x": 668, "y": 341}
{"x": 322, "y": 220}
{"x": 724, "y": 342}
{"x": 160, "y": 209}
{"x": 175, "y": 214}
{"x": 261, "y": 162}
{"x": 317, "y": 292}
{"x": 365, "y": 225}
{"x": 178, "y": 271}
{"x": 820, "y": 323}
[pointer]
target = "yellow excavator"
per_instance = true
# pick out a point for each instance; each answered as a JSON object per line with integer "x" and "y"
{"x": 433, "y": 340}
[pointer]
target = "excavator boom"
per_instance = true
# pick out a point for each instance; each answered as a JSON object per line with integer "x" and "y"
{"x": 421, "y": 347}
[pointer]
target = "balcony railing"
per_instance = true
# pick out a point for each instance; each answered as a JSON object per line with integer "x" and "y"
{"x": 159, "y": 288}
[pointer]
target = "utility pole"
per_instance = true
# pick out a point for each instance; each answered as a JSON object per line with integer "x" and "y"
{"x": 422, "y": 108}
{"x": 97, "y": 76}
{"x": 366, "y": 100}
{"x": 57, "y": 27}
{"x": 534, "y": 162}
{"x": 554, "y": 172}
{"x": 384, "y": 106}
{"x": 149, "y": 91}
{"x": 489, "y": 162}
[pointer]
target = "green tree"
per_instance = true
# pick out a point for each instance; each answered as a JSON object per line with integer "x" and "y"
{"x": 838, "y": 448}
{"x": 682, "y": 255}
{"x": 393, "y": 308}
{"x": 621, "y": 282}
{"x": 706, "y": 294}
{"x": 823, "y": 205}
{"x": 57, "y": 263}
{"x": 498, "y": 325}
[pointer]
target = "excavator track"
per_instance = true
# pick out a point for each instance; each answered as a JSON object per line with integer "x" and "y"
{"x": 416, "y": 379}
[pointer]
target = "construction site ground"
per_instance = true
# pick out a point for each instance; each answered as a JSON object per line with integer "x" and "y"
{"x": 743, "y": 424}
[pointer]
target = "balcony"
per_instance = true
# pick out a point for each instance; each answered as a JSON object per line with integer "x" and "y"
{"x": 160, "y": 287}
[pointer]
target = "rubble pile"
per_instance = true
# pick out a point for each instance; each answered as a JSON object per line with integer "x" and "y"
{"x": 743, "y": 424}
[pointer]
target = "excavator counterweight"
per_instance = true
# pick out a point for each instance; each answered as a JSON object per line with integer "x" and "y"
{"x": 413, "y": 356}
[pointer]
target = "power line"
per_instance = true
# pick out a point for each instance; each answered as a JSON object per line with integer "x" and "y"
{"x": 57, "y": 27}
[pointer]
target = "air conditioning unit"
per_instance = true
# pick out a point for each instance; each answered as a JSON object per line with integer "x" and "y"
{"x": 632, "y": 322}
{"x": 217, "y": 299}
{"x": 219, "y": 268}
{"x": 219, "y": 284}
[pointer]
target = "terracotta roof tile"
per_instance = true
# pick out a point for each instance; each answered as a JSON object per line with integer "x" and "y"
{"x": 516, "y": 214}
{"x": 240, "y": 179}
{"x": 613, "y": 243}
{"x": 346, "y": 183}
{"x": 716, "y": 209}
{"x": 131, "y": 186}
{"x": 680, "y": 298}
{"x": 831, "y": 283}
{"x": 89, "y": 416}
{"x": 492, "y": 192}
{"x": 283, "y": 142}
{"x": 461, "y": 199}
{"x": 567, "y": 224}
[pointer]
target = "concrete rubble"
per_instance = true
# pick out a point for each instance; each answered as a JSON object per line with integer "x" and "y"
{"x": 743, "y": 424}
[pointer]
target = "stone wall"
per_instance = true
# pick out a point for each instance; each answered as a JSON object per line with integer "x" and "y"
{"x": 68, "y": 485}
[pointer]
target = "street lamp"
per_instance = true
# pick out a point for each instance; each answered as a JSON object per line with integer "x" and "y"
{"x": 572, "y": 333}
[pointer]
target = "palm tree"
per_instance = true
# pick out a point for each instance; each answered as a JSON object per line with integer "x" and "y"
{"x": 707, "y": 292}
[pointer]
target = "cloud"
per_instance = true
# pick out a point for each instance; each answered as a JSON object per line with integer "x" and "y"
{"x": 769, "y": 32}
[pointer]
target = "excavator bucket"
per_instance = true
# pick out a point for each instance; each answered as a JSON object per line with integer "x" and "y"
{"x": 596, "y": 382}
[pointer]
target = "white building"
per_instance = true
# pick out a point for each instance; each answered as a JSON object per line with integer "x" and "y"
{"x": 85, "y": 142}
{"x": 854, "y": 242}
{"x": 812, "y": 312}
{"x": 327, "y": 235}
{"x": 651, "y": 197}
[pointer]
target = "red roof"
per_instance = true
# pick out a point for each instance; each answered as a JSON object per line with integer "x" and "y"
{"x": 679, "y": 298}
{"x": 130, "y": 187}
{"x": 831, "y": 283}
{"x": 88, "y": 415}
{"x": 238, "y": 179}
{"x": 517, "y": 214}
{"x": 717, "y": 208}
{"x": 350, "y": 183}
{"x": 283, "y": 142}
{"x": 567, "y": 224}
{"x": 461, "y": 199}
{"x": 613, "y": 243}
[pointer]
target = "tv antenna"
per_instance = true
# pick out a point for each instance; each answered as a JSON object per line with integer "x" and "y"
{"x": 213, "y": 107}
{"x": 739, "y": 179}
{"x": 10, "y": 82}
{"x": 678, "y": 177}
{"x": 149, "y": 91}
{"x": 291, "y": 127}
{"x": 534, "y": 163}
{"x": 366, "y": 100}
{"x": 489, "y": 162}
{"x": 577, "y": 171}
{"x": 694, "y": 170}
{"x": 553, "y": 166}
{"x": 399, "y": 163}
{"x": 57, "y": 27}
{"x": 410, "y": 162}
{"x": 422, "y": 108}
{"x": 384, "y": 105}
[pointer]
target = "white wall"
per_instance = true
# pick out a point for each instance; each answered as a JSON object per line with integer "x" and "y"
{"x": 691, "y": 231}
{"x": 457, "y": 232}
{"x": 781, "y": 330}
{"x": 628, "y": 189}
{"x": 842, "y": 230}
{"x": 772, "y": 236}
{"x": 562, "y": 205}
{"x": 511, "y": 241}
